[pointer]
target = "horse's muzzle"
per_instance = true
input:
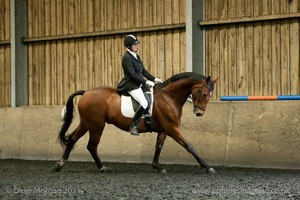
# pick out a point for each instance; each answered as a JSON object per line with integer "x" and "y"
{"x": 198, "y": 111}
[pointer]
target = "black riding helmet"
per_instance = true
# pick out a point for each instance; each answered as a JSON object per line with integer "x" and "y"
{"x": 130, "y": 40}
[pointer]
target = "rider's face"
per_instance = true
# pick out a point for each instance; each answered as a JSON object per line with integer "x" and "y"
{"x": 134, "y": 47}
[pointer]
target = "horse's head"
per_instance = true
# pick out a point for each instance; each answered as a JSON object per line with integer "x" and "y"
{"x": 201, "y": 94}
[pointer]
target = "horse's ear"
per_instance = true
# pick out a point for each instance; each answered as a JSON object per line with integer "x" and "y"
{"x": 215, "y": 80}
{"x": 207, "y": 79}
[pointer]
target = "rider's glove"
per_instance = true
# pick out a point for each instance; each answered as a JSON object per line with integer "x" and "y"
{"x": 150, "y": 83}
{"x": 157, "y": 81}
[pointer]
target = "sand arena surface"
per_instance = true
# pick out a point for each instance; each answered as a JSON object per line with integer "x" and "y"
{"x": 21, "y": 179}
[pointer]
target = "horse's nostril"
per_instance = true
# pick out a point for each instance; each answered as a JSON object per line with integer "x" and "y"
{"x": 198, "y": 114}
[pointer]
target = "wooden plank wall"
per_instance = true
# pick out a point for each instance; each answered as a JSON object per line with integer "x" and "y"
{"x": 4, "y": 53}
{"x": 57, "y": 68}
{"x": 253, "y": 58}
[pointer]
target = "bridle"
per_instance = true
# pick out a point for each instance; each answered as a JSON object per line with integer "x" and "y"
{"x": 193, "y": 97}
{"x": 199, "y": 92}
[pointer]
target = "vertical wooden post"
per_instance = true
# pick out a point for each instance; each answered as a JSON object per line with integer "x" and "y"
{"x": 19, "y": 70}
{"x": 195, "y": 36}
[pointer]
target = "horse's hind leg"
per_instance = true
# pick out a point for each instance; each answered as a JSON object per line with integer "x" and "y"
{"x": 72, "y": 139}
{"x": 159, "y": 145}
{"x": 95, "y": 136}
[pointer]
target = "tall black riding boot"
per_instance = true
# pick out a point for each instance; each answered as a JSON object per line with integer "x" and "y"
{"x": 136, "y": 121}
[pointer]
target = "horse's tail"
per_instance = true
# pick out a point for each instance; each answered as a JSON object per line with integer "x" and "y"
{"x": 67, "y": 115}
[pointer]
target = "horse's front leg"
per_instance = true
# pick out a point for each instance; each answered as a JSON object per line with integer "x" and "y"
{"x": 159, "y": 145}
{"x": 189, "y": 147}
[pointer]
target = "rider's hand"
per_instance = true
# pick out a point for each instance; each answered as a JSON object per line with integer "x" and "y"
{"x": 157, "y": 81}
{"x": 150, "y": 83}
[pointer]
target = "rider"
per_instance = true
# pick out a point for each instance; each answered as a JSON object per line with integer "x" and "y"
{"x": 133, "y": 81}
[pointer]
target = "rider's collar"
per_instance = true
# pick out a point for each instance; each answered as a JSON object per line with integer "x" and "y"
{"x": 132, "y": 53}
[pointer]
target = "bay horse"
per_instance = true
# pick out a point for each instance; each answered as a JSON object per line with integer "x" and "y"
{"x": 103, "y": 105}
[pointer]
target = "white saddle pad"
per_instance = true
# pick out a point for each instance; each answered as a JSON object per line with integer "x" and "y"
{"x": 127, "y": 107}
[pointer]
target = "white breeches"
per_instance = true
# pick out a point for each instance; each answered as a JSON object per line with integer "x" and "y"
{"x": 139, "y": 96}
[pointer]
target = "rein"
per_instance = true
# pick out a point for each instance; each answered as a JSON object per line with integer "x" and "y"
{"x": 199, "y": 91}
{"x": 179, "y": 97}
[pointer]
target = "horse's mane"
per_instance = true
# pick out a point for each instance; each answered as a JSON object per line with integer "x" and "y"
{"x": 181, "y": 76}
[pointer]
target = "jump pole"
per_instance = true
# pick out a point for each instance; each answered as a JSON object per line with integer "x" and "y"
{"x": 260, "y": 98}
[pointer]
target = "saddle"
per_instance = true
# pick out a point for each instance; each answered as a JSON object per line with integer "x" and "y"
{"x": 129, "y": 106}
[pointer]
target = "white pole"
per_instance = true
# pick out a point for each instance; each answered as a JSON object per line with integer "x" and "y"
{"x": 12, "y": 54}
{"x": 189, "y": 36}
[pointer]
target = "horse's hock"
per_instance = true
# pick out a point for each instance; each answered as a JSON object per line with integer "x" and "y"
{"x": 245, "y": 134}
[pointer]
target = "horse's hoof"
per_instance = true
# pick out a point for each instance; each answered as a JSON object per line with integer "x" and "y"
{"x": 161, "y": 170}
{"x": 56, "y": 168}
{"x": 211, "y": 171}
{"x": 105, "y": 169}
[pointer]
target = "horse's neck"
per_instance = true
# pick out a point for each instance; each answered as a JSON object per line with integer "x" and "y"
{"x": 182, "y": 89}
